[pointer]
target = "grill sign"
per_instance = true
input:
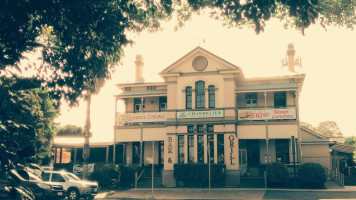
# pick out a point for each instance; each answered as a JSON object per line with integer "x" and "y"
{"x": 266, "y": 114}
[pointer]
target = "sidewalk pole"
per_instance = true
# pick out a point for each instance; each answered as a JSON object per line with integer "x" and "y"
{"x": 153, "y": 161}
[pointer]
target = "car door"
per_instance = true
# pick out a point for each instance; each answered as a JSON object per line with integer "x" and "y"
{"x": 60, "y": 180}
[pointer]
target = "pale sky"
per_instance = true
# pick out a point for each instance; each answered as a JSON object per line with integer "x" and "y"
{"x": 328, "y": 59}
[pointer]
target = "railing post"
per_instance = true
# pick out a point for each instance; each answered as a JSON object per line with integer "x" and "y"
{"x": 135, "y": 179}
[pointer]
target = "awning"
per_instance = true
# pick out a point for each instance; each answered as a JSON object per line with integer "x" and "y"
{"x": 340, "y": 147}
{"x": 266, "y": 87}
{"x": 134, "y": 135}
{"x": 274, "y": 131}
{"x": 144, "y": 93}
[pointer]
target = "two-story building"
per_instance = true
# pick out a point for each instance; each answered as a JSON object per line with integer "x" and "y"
{"x": 206, "y": 110}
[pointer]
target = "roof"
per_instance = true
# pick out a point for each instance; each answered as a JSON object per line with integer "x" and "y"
{"x": 341, "y": 147}
{"x": 313, "y": 132}
{"x": 315, "y": 140}
{"x": 143, "y": 93}
{"x": 197, "y": 49}
{"x": 273, "y": 86}
{"x": 72, "y": 142}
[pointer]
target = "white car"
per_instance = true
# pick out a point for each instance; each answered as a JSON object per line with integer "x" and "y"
{"x": 73, "y": 185}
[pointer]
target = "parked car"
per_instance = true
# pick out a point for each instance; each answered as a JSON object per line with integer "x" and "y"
{"x": 21, "y": 181}
{"x": 73, "y": 185}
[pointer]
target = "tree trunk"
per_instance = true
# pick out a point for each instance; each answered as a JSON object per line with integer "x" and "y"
{"x": 86, "y": 150}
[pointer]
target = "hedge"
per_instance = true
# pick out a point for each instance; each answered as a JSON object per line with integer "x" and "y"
{"x": 312, "y": 175}
{"x": 197, "y": 174}
{"x": 277, "y": 174}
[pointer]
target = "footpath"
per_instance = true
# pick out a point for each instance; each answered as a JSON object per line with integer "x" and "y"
{"x": 332, "y": 191}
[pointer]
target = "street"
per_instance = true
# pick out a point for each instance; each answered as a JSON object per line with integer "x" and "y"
{"x": 229, "y": 193}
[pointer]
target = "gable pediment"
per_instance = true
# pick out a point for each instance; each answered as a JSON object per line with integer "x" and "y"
{"x": 199, "y": 60}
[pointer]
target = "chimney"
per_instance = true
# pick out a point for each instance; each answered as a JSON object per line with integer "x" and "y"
{"x": 290, "y": 54}
{"x": 290, "y": 59}
{"x": 139, "y": 69}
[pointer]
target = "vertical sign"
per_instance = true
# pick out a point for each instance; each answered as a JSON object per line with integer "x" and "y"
{"x": 169, "y": 153}
{"x": 231, "y": 152}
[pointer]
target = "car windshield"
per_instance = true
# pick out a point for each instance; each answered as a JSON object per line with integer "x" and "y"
{"x": 71, "y": 177}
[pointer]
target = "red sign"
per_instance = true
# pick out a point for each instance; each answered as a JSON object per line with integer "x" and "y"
{"x": 267, "y": 114}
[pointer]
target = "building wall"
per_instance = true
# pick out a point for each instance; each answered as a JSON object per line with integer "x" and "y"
{"x": 318, "y": 153}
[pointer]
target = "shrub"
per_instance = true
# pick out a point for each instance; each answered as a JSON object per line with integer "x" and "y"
{"x": 105, "y": 174}
{"x": 198, "y": 174}
{"x": 277, "y": 174}
{"x": 312, "y": 175}
{"x": 127, "y": 175}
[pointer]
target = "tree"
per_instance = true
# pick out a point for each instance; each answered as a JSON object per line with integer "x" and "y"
{"x": 329, "y": 129}
{"x": 27, "y": 114}
{"x": 70, "y": 130}
{"x": 350, "y": 140}
{"x": 307, "y": 125}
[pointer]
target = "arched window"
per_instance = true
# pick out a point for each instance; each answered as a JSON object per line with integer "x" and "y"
{"x": 200, "y": 94}
{"x": 188, "y": 97}
{"x": 211, "y": 96}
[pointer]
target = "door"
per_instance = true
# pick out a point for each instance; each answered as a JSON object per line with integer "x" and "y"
{"x": 243, "y": 161}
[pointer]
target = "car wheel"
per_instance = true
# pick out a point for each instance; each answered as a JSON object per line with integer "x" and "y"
{"x": 73, "y": 194}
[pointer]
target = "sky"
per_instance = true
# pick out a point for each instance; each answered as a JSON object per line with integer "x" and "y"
{"x": 328, "y": 60}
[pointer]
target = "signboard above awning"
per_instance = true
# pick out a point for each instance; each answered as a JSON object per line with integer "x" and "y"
{"x": 200, "y": 114}
{"x": 121, "y": 119}
{"x": 267, "y": 114}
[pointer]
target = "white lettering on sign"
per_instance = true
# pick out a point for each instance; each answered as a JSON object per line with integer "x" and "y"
{"x": 266, "y": 114}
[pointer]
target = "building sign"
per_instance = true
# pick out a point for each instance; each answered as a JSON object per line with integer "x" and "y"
{"x": 267, "y": 114}
{"x": 200, "y": 114}
{"x": 232, "y": 145}
{"x": 78, "y": 168}
{"x": 170, "y": 150}
{"x": 121, "y": 119}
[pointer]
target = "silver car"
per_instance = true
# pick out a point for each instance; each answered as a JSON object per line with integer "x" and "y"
{"x": 73, "y": 185}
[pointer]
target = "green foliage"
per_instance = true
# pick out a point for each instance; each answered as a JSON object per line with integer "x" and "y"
{"x": 27, "y": 113}
{"x": 70, "y": 130}
{"x": 277, "y": 174}
{"x": 105, "y": 175}
{"x": 312, "y": 175}
{"x": 198, "y": 174}
{"x": 327, "y": 128}
{"x": 350, "y": 140}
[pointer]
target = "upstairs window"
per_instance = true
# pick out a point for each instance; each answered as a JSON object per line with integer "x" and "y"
{"x": 200, "y": 128}
{"x": 162, "y": 104}
{"x": 188, "y": 97}
{"x": 138, "y": 106}
{"x": 190, "y": 128}
{"x": 211, "y": 90}
{"x": 210, "y": 128}
{"x": 200, "y": 94}
{"x": 280, "y": 99}
{"x": 251, "y": 100}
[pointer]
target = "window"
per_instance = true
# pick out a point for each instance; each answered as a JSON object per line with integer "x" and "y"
{"x": 282, "y": 150}
{"x": 57, "y": 178}
{"x": 190, "y": 148}
{"x": 200, "y": 94}
{"x": 211, "y": 96}
{"x": 220, "y": 138}
{"x": 138, "y": 107}
{"x": 181, "y": 149}
{"x": 210, "y": 128}
{"x": 200, "y": 139}
{"x": 45, "y": 176}
{"x": 211, "y": 148}
{"x": 251, "y": 100}
{"x": 190, "y": 128}
{"x": 280, "y": 99}
{"x": 188, "y": 97}
{"x": 161, "y": 146}
{"x": 162, "y": 104}
{"x": 200, "y": 128}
